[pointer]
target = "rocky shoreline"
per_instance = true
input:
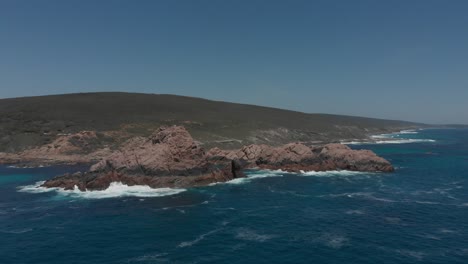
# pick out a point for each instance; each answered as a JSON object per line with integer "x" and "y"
{"x": 171, "y": 158}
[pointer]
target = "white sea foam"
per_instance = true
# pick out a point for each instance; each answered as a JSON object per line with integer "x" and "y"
{"x": 418, "y": 255}
{"x": 404, "y": 141}
{"x": 279, "y": 173}
{"x": 332, "y": 173}
{"x": 250, "y": 235}
{"x": 382, "y": 136}
{"x": 16, "y": 231}
{"x": 360, "y": 195}
{"x": 408, "y": 132}
{"x": 152, "y": 258}
{"x": 198, "y": 239}
{"x": 116, "y": 189}
{"x": 393, "y": 138}
{"x": 288, "y": 193}
{"x": 347, "y": 194}
{"x": 426, "y": 202}
{"x": 393, "y": 220}
{"x": 387, "y": 140}
{"x": 355, "y": 212}
{"x": 35, "y": 188}
{"x": 447, "y": 231}
{"x": 255, "y": 175}
{"x": 26, "y": 167}
{"x": 353, "y": 142}
{"x": 333, "y": 240}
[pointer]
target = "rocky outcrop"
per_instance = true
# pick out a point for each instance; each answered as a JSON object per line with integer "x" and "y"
{"x": 297, "y": 157}
{"x": 94, "y": 180}
{"x": 168, "y": 158}
{"x": 171, "y": 158}
{"x": 168, "y": 150}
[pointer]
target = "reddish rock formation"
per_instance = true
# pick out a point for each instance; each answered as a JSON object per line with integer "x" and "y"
{"x": 168, "y": 149}
{"x": 171, "y": 158}
{"x": 295, "y": 157}
{"x": 168, "y": 158}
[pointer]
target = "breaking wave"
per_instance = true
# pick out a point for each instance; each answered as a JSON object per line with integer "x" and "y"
{"x": 279, "y": 173}
{"x": 389, "y": 141}
{"x": 403, "y": 141}
{"x": 393, "y": 138}
{"x": 408, "y": 132}
{"x": 397, "y": 138}
{"x": 116, "y": 189}
{"x": 355, "y": 142}
{"x": 27, "y": 167}
{"x": 332, "y": 173}
{"x": 255, "y": 175}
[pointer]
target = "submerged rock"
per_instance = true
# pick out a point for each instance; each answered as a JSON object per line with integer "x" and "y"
{"x": 171, "y": 158}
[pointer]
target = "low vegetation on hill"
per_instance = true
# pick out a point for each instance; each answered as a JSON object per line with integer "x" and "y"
{"x": 35, "y": 121}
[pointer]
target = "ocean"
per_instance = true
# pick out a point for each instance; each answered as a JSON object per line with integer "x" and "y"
{"x": 418, "y": 214}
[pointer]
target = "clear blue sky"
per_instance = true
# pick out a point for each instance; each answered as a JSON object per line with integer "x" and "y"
{"x": 394, "y": 59}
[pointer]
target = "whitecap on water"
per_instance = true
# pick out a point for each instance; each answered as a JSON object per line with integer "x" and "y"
{"x": 393, "y": 138}
{"x": 446, "y": 231}
{"x": 151, "y": 258}
{"x": 410, "y": 131}
{"x": 279, "y": 173}
{"x": 250, "y": 235}
{"x": 359, "y": 195}
{"x": 35, "y": 188}
{"x": 418, "y": 255}
{"x": 333, "y": 173}
{"x": 333, "y": 240}
{"x": 116, "y": 189}
{"x": 354, "y": 142}
{"x": 254, "y": 175}
{"x": 355, "y": 212}
{"x": 390, "y": 141}
{"x": 382, "y": 136}
{"x": 198, "y": 239}
{"x": 403, "y": 141}
{"x": 16, "y": 231}
{"x": 27, "y": 167}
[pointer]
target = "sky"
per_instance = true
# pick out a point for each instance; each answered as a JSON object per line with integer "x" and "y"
{"x": 399, "y": 59}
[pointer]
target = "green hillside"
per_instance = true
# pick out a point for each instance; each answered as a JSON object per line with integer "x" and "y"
{"x": 31, "y": 121}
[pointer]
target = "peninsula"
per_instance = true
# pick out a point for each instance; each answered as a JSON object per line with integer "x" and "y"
{"x": 176, "y": 141}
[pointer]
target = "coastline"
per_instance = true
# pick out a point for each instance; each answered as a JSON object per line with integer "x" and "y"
{"x": 390, "y": 138}
{"x": 32, "y": 159}
{"x": 132, "y": 188}
{"x": 331, "y": 204}
{"x": 170, "y": 158}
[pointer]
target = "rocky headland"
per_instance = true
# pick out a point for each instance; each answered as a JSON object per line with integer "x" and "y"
{"x": 170, "y": 157}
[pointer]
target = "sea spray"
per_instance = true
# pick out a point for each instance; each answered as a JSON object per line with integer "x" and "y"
{"x": 115, "y": 189}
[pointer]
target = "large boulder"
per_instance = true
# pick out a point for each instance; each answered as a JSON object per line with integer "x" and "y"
{"x": 169, "y": 150}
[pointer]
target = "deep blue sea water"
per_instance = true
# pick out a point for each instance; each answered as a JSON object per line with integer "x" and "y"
{"x": 418, "y": 214}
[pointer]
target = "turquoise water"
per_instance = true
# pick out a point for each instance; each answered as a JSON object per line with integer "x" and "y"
{"x": 418, "y": 214}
